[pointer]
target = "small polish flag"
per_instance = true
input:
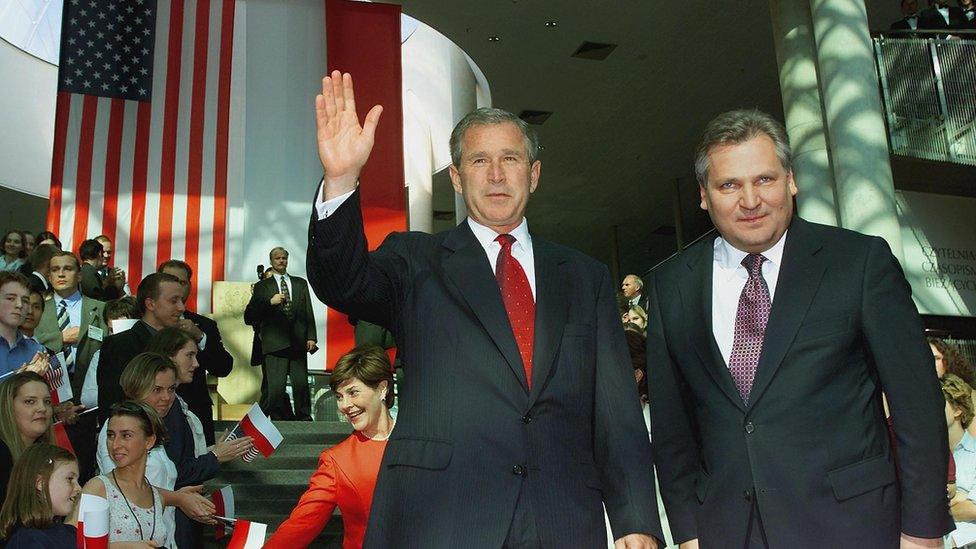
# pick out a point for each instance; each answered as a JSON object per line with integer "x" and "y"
{"x": 257, "y": 426}
{"x": 247, "y": 535}
{"x": 61, "y": 437}
{"x": 92, "y": 522}
{"x": 223, "y": 500}
{"x": 58, "y": 382}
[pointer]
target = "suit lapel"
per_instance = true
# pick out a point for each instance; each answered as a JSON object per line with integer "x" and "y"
{"x": 550, "y": 312}
{"x": 88, "y": 312}
{"x": 696, "y": 294}
{"x": 799, "y": 278}
{"x": 468, "y": 269}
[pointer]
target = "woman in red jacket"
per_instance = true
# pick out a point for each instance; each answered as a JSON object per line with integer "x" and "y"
{"x": 363, "y": 384}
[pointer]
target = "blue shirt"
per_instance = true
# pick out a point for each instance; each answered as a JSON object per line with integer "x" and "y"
{"x": 23, "y": 350}
{"x": 73, "y": 303}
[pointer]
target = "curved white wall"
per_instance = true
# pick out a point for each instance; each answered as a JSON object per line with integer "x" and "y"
{"x": 28, "y": 95}
{"x": 440, "y": 85}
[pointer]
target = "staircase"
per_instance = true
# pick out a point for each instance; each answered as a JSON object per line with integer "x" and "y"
{"x": 266, "y": 490}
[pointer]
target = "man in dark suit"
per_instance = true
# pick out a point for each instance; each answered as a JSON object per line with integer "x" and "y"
{"x": 768, "y": 350}
{"x": 517, "y": 413}
{"x": 40, "y": 261}
{"x": 280, "y": 310}
{"x": 941, "y": 16}
{"x": 633, "y": 289}
{"x": 73, "y": 324}
{"x": 909, "y": 20}
{"x": 213, "y": 357}
{"x": 160, "y": 302}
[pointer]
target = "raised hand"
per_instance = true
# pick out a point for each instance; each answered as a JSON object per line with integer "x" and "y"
{"x": 344, "y": 145}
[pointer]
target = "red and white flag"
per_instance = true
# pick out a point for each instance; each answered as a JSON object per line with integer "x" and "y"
{"x": 223, "y": 501}
{"x": 61, "y": 437}
{"x": 256, "y": 425}
{"x": 92, "y": 522}
{"x": 149, "y": 103}
{"x": 247, "y": 535}
{"x": 58, "y": 382}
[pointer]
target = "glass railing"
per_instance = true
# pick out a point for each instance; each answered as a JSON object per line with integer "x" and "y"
{"x": 928, "y": 84}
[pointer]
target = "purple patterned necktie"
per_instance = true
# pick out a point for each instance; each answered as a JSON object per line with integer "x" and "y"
{"x": 750, "y": 325}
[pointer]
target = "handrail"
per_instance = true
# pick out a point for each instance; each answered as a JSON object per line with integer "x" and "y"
{"x": 926, "y": 79}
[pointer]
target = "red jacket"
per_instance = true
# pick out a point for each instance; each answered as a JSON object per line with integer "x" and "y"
{"x": 346, "y": 477}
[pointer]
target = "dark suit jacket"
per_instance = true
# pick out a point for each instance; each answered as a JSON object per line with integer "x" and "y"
{"x": 117, "y": 351}
{"x": 49, "y": 334}
{"x": 279, "y": 332}
{"x": 931, "y": 19}
{"x": 470, "y": 435}
{"x": 37, "y": 283}
{"x": 812, "y": 446}
{"x": 91, "y": 285}
{"x": 214, "y": 360}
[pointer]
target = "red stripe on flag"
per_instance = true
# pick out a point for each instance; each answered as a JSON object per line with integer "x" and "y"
{"x": 195, "y": 164}
{"x": 376, "y": 66}
{"x": 61, "y": 437}
{"x": 218, "y": 500}
{"x": 167, "y": 170}
{"x": 62, "y": 113}
{"x": 223, "y": 135}
{"x": 260, "y": 441}
{"x": 140, "y": 169}
{"x": 239, "y": 539}
{"x": 340, "y": 337}
{"x": 113, "y": 159}
{"x": 86, "y": 145}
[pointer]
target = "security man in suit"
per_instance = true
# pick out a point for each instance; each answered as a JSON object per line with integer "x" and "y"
{"x": 768, "y": 349}
{"x": 517, "y": 415}
{"x": 281, "y": 310}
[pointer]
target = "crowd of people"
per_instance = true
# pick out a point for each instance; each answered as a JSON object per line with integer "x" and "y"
{"x": 939, "y": 15}
{"x": 138, "y": 363}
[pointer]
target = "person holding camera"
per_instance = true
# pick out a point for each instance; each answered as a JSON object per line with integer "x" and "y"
{"x": 280, "y": 310}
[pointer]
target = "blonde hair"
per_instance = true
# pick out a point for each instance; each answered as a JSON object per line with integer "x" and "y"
{"x": 959, "y": 396}
{"x": 9, "y": 433}
{"x": 26, "y": 505}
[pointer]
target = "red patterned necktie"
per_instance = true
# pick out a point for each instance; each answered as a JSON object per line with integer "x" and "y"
{"x": 519, "y": 303}
{"x": 750, "y": 325}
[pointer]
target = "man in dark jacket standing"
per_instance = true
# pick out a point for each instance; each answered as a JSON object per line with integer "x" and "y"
{"x": 280, "y": 310}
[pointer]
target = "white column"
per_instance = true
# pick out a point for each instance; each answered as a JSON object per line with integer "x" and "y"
{"x": 796, "y": 54}
{"x": 855, "y": 120}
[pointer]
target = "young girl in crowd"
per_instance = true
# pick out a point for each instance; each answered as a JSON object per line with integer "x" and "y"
{"x": 42, "y": 491}
{"x": 25, "y": 418}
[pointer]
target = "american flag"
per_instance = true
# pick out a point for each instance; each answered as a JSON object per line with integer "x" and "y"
{"x": 143, "y": 146}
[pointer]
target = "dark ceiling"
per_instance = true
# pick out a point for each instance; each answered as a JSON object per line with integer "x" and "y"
{"x": 621, "y": 137}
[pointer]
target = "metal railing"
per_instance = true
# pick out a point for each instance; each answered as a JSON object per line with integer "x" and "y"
{"x": 928, "y": 84}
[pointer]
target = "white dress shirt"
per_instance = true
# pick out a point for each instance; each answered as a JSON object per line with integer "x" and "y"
{"x": 521, "y": 249}
{"x": 729, "y": 277}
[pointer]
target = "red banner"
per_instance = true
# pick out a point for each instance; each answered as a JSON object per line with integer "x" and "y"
{"x": 363, "y": 39}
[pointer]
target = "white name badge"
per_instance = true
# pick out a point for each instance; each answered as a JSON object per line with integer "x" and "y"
{"x": 95, "y": 333}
